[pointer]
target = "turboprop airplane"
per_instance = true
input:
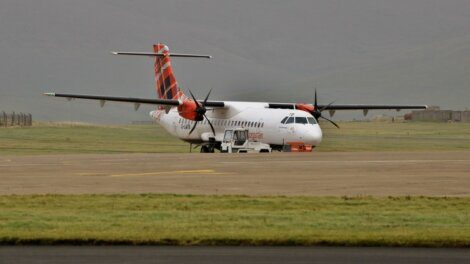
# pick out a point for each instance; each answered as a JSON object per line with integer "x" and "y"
{"x": 203, "y": 122}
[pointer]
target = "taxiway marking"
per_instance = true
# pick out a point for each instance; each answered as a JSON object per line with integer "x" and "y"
{"x": 210, "y": 172}
{"x": 342, "y": 161}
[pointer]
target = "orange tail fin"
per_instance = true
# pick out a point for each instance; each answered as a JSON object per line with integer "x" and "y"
{"x": 166, "y": 84}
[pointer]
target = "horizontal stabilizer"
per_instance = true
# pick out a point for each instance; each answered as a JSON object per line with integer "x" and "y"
{"x": 151, "y": 54}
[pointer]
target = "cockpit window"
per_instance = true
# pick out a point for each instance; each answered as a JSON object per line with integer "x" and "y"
{"x": 290, "y": 120}
{"x": 301, "y": 120}
{"x": 283, "y": 120}
{"x": 312, "y": 120}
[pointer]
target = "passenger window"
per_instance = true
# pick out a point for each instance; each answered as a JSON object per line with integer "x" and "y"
{"x": 301, "y": 120}
{"x": 290, "y": 120}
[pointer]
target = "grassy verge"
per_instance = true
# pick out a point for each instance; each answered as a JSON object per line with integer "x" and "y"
{"x": 353, "y": 136}
{"x": 49, "y": 138}
{"x": 234, "y": 220}
{"x": 399, "y": 136}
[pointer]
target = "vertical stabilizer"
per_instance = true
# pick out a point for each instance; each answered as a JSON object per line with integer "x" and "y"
{"x": 165, "y": 81}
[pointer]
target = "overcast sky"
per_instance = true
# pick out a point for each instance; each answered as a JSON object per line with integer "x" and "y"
{"x": 353, "y": 51}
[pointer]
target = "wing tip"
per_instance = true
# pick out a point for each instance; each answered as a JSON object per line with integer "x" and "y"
{"x": 49, "y": 94}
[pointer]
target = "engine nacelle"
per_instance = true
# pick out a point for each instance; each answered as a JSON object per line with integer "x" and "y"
{"x": 187, "y": 110}
{"x": 305, "y": 107}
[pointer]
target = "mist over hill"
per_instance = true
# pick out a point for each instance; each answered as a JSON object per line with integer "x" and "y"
{"x": 353, "y": 51}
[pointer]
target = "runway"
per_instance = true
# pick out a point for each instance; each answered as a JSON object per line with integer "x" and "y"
{"x": 148, "y": 254}
{"x": 336, "y": 174}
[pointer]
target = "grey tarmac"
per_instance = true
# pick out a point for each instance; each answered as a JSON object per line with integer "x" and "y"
{"x": 208, "y": 255}
{"x": 293, "y": 174}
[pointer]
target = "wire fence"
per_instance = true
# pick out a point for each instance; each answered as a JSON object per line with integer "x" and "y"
{"x": 15, "y": 119}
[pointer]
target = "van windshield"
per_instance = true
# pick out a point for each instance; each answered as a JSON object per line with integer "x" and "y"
{"x": 228, "y": 135}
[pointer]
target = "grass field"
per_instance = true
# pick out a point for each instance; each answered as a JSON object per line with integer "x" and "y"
{"x": 46, "y": 138}
{"x": 234, "y": 220}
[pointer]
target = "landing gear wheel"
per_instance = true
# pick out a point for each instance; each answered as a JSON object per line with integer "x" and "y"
{"x": 207, "y": 149}
{"x": 204, "y": 149}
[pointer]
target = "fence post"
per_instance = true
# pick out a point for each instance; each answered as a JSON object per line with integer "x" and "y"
{"x": 3, "y": 120}
{"x": 13, "y": 118}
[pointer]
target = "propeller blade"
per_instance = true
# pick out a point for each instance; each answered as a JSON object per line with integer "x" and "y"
{"x": 316, "y": 103}
{"x": 192, "y": 129}
{"x": 207, "y": 97}
{"x": 212, "y": 127}
{"x": 331, "y": 121}
{"x": 194, "y": 98}
{"x": 326, "y": 106}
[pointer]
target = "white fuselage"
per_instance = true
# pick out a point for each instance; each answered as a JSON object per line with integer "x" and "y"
{"x": 264, "y": 124}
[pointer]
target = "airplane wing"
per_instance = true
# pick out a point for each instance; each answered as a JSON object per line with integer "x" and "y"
{"x": 174, "y": 102}
{"x": 371, "y": 107}
{"x": 136, "y": 101}
{"x": 335, "y": 107}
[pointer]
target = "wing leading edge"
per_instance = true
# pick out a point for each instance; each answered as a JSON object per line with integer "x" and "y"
{"x": 102, "y": 99}
{"x": 351, "y": 106}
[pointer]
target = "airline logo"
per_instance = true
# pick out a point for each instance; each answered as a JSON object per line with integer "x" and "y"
{"x": 166, "y": 84}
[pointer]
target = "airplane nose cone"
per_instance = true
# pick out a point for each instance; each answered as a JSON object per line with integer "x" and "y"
{"x": 313, "y": 135}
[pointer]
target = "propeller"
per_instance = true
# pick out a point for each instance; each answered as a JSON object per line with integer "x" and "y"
{"x": 201, "y": 112}
{"x": 317, "y": 112}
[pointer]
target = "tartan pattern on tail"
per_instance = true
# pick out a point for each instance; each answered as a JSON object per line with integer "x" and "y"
{"x": 166, "y": 84}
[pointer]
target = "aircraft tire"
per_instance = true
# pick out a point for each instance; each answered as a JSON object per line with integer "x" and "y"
{"x": 205, "y": 149}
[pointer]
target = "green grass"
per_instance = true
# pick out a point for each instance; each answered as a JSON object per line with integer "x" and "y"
{"x": 398, "y": 136}
{"x": 56, "y": 139}
{"x": 353, "y": 136}
{"x": 234, "y": 220}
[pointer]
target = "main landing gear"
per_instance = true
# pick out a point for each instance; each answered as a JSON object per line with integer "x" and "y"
{"x": 209, "y": 147}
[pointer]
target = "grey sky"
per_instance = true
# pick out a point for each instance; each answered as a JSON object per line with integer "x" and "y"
{"x": 353, "y": 51}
